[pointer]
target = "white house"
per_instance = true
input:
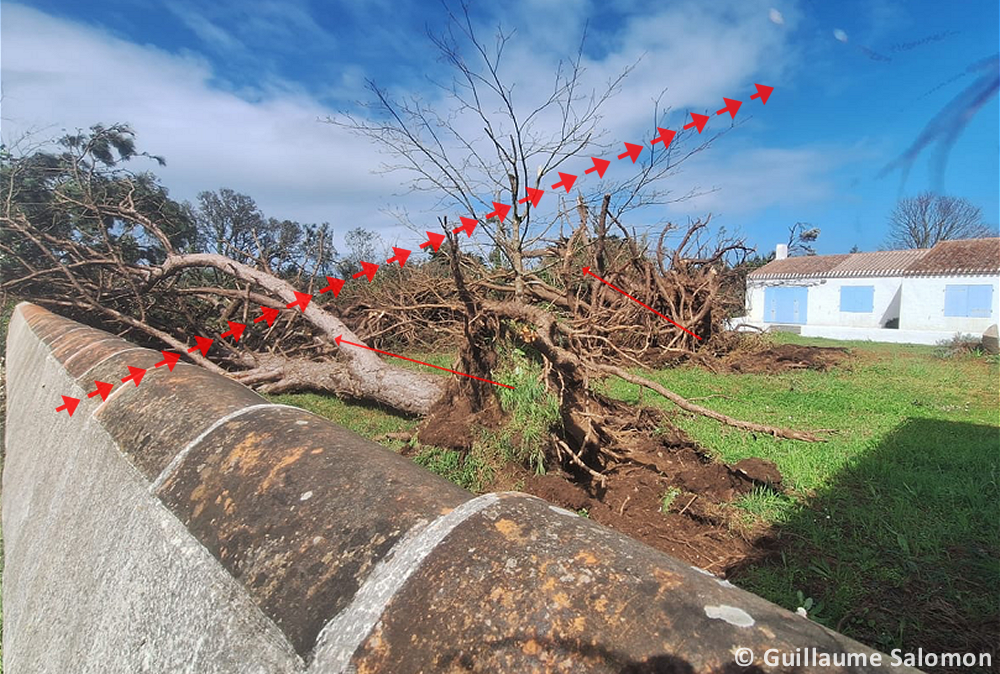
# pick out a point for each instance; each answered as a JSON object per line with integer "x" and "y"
{"x": 912, "y": 296}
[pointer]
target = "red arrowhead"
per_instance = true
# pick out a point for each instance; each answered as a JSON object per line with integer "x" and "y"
{"x": 433, "y": 240}
{"x": 565, "y": 180}
{"x": 499, "y": 210}
{"x": 69, "y": 404}
{"x": 468, "y": 225}
{"x": 534, "y": 196}
{"x": 334, "y": 284}
{"x": 302, "y": 299}
{"x": 699, "y": 121}
{"x": 369, "y": 271}
{"x": 135, "y": 374}
{"x": 586, "y": 270}
{"x": 271, "y": 314}
{"x": 169, "y": 359}
{"x": 204, "y": 344}
{"x": 339, "y": 337}
{"x": 103, "y": 389}
{"x": 235, "y": 329}
{"x": 600, "y": 165}
{"x": 631, "y": 150}
{"x": 763, "y": 93}
{"x": 731, "y": 107}
{"x": 401, "y": 255}
{"x": 666, "y": 137}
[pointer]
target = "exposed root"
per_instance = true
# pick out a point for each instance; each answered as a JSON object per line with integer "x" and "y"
{"x": 575, "y": 458}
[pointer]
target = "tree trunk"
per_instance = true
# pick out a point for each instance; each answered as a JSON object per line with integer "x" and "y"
{"x": 360, "y": 374}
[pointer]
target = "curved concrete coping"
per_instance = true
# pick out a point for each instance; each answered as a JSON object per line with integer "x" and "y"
{"x": 259, "y": 537}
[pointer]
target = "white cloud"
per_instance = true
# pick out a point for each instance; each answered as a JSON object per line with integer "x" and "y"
{"x": 58, "y": 74}
{"x": 68, "y": 75}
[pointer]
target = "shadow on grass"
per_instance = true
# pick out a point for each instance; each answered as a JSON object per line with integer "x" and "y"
{"x": 902, "y": 548}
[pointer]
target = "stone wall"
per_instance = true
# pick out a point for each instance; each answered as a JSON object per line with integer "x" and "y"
{"x": 188, "y": 525}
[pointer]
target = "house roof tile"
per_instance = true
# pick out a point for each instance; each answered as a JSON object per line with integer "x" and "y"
{"x": 963, "y": 256}
{"x": 967, "y": 256}
{"x": 795, "y": 267}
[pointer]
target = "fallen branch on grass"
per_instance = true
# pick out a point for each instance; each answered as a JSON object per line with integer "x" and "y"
{"x": 687, "y": 405}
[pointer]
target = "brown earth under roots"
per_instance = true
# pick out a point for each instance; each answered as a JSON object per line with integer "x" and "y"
{"x": 699, "y": 527}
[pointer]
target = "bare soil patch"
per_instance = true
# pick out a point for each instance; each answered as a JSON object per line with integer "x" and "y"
{"x": 783, "y": 357}
{"x": 698, "y": 526}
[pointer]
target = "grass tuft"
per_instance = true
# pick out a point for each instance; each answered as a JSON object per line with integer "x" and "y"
{"x": 669, "y": 496}
{"x": 533, "y": 411}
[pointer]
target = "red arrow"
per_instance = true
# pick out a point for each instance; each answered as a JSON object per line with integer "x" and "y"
{"x": 401, "y": 254}
{"x": 731, "y": 107}
{"x": 586, "y": 272}
{"x": 631, "y": 150}
{"x": 302, "y": 299}
{"x": 235, "y": 329}
{"x": 565, "y": 180}
{"x": 269, "y": 314}
{"x": 204, "y": 344}
{"x": 69, "y": 404}
{"x": 103, "y": 389}
{"x": 499, "y": 210}
{"x": 600, "y": 165}
{"x": 368, "y": 269}
{"x": 136, "y": 374}
{"x": 534, "y": 196}
{"x": 666, "y": 137}
{"x": 169, "y": 359}
{"x": 763, "y": 93}
{"x": 468, "y": 226}
{"x": 334, "y": 284}
{"x": 433, "y": 240}
{"x": 699, "y": 121}
{"x": 340, "y": 340}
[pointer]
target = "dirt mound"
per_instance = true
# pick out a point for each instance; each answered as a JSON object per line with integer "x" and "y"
{"x": 451, "y": 422}
{"x": 785, "y": 357}
{"x": 670, "y": 497}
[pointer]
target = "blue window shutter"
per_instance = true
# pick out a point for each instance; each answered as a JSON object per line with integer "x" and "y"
{"x": 980, "y": 301}
{"x": 857, "y": 299}
{"x": 846, "y": 298}
{"x": 956, "y": 300}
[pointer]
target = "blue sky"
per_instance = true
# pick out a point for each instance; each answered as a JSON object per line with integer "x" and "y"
{"x": 230, "y": 93}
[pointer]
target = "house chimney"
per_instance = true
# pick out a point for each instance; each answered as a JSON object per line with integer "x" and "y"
{"x": 781, "y": 251}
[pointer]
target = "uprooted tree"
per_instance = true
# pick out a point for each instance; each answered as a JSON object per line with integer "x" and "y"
{"x": 482, "y": 144}
{"x": 85, "y": 236}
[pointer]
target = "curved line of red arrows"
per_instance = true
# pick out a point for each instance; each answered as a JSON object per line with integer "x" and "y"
{"x": 434, "y": 240}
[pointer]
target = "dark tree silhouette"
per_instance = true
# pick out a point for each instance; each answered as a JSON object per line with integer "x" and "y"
{"x": 923, "y": 220}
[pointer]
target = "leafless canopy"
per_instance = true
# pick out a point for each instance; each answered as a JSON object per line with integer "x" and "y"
{"x": 923, "y": 220}
{"x": 483, "y": 141}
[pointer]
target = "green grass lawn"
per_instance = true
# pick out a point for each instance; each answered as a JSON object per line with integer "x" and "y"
{"x": 889, "y": 530}
{"x": 891, "y": 527}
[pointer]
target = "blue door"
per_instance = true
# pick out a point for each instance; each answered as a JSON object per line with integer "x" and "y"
{"x": 785, "y": 305}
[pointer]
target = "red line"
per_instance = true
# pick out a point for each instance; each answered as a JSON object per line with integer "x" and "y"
{"x": 420, "y": 362}
{"x": 645, "y": 305}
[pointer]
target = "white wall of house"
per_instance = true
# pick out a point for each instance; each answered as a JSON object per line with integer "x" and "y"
{"x": 754, "y": 309}
{"x": 824, "y": 302}
{"x": 755, "y": 301}
{"x": 923, "y": 304}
